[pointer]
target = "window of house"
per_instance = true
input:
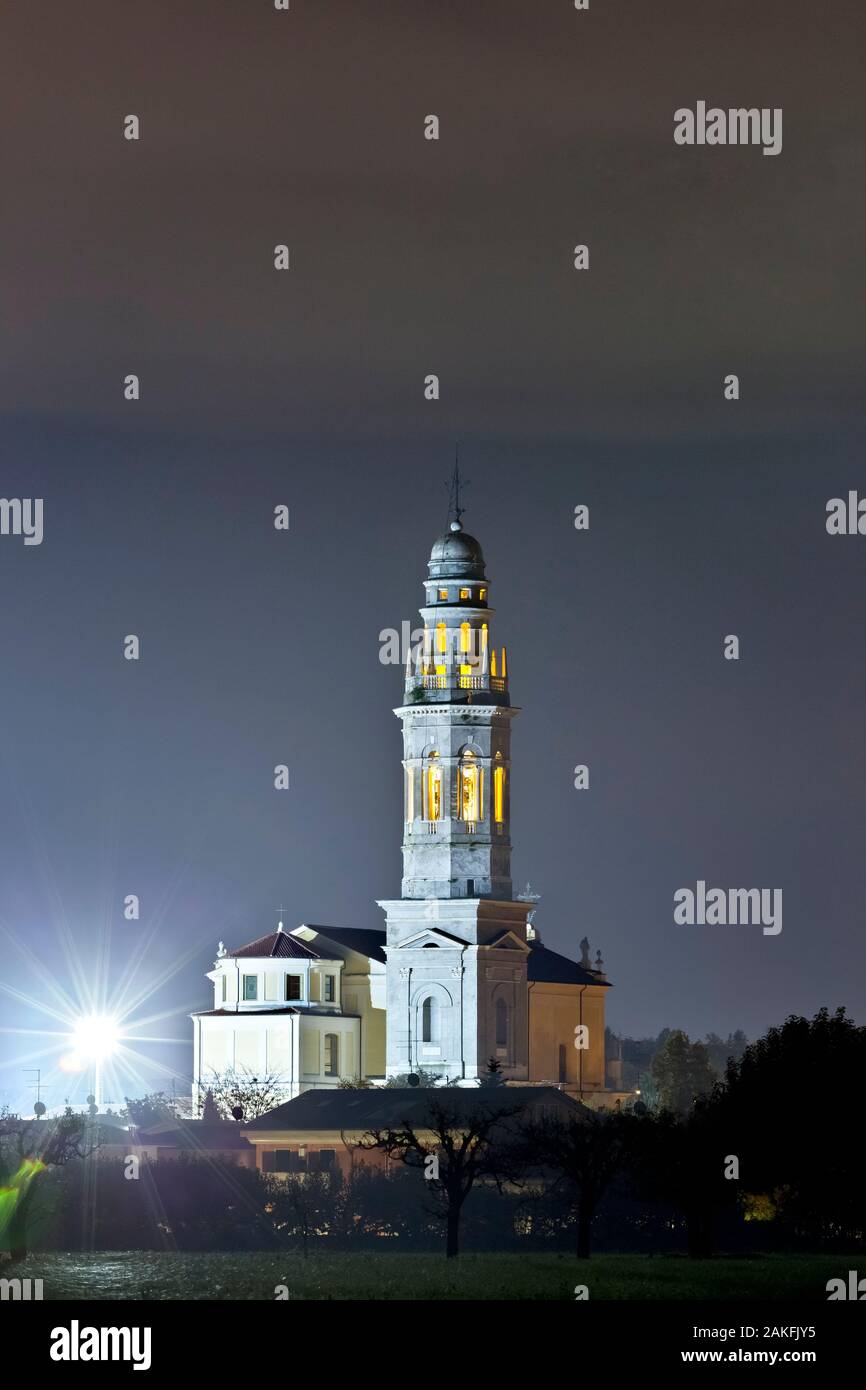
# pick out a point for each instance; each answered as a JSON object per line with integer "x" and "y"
{"x": 251, "y": 986}
{"x": 443, "y": 593}
{"x": 501, "y": 1023}
{"x": 330, "y": 988}
{"x": 464, "y": 593}
{"x": 321, "y": 1161}
{"x": 293, "y": 986}
{"x": 332, "y": 1054}
{"x": 482, "y": 593}
{"x": 441, "y": 637}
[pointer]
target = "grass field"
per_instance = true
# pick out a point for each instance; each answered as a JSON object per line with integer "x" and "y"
{"x": 244, "y": 1275}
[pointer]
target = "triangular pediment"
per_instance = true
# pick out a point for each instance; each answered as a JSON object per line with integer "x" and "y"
{"x": 431, "y": 936}
{"x": 508, "y": 941}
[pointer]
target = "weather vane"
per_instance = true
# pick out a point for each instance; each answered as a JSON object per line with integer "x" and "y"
{"x": 454, "y": 490}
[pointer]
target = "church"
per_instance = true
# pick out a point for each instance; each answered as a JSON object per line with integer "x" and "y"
{"x": 458, "y": 975}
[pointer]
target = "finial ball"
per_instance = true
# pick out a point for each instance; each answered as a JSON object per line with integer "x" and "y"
{"x": 455, "y": 526}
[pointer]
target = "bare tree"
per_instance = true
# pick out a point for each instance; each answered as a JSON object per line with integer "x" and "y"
{"x": 585, "y": 1151}
{"x": 455, "y": 1146}
{"x": 240, "y": 1091}
{"x": 300, "y": 1203}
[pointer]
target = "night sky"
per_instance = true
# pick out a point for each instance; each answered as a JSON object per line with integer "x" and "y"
{"x": 603, "y": 387}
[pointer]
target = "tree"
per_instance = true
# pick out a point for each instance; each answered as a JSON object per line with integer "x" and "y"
{"x": 789, "y": 1117}
{"x": 494, "y": 1076}
{"x": 27, "y": 1149}
{"x": 241, "y": 1091}
{"x": 150, "y": 1109}
{"x": 301, "y": 1203}
{"x": 425, "y": 1080}
{"x": 586, "y": 1151}
{"x": 455, "y": 1146}
{"x": 682, "y": 1072}
{"x": 209, "y": 1112}
{"x": 681, "y": 1158}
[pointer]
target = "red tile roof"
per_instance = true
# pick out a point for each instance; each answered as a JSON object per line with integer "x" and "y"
{"x": 280, "y": 944}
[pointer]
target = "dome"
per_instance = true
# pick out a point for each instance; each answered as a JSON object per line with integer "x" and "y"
{"x": 456, "y": 555}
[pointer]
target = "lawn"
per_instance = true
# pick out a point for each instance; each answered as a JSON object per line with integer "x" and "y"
{"x": 389, "y": 1275}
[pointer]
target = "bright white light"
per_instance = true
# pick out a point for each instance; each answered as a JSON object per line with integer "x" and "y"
{"x": 95, "y": 1038}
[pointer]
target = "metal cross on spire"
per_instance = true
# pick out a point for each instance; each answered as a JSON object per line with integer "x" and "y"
{"x": 454, "y": 490}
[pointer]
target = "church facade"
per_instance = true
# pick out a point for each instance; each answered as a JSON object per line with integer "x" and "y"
{"x": 459, "y": 976}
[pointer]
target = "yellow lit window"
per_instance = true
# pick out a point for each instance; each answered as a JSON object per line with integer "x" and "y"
{"x": 465, "y": 670}
{"x": 484, "y": 637}
{"x": 441, "y": 637}
{"x": 443, "y": 593}
{"x": 482, "y": 593}
{"x": 434, "y": 792}
{"x": 493, "y": 662}
{"x": 470, "y": 789}
{"x": 465, "y": 634}
{"x": 464, "y": 593}
{"x": 499, "y": 795}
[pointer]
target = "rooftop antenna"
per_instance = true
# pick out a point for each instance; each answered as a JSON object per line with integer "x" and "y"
{"x": 454, "y": 493}
{"x": 39, "y": 1108}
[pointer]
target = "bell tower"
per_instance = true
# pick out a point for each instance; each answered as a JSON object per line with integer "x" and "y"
{"x": 456, "y": 717}
{"x": 456, "y": 938}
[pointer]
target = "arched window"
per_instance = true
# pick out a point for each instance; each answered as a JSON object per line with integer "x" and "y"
{"x": 332, "y": 1054}
{"x": 499, "y": 795}
{"x": 433, "y": 789}
{"x": 469, "y": 788}
{"x": 430, "y": 1019}
{"x": 501, "y": 1023}
{"x": 441, "y": 637}
{"x": 465, "y": 637}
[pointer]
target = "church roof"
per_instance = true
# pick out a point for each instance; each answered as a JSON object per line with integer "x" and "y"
{"x": 543, "y": 965}
{"x": 366, "y": 941}
{"x": 456, "y": 555}
{"x": 549, "y": 967}
{"x": 381, "y": 1107}
{"x": 281, "y": 944}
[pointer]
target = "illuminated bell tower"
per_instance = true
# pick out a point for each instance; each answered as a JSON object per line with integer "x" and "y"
{"x": 456, "y": 720}
{"x": 456, "y": 938}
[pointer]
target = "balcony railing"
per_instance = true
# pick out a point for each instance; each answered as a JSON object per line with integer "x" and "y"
{"x": 494, "y": 683}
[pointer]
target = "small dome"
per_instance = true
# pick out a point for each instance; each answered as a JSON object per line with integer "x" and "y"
{"x": 456, "y": 555}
